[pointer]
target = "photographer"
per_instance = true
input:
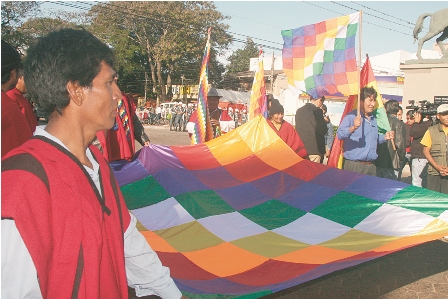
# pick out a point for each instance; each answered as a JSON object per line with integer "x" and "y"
{"x": 435, "y": 142}
{"x": 419, "y": 162}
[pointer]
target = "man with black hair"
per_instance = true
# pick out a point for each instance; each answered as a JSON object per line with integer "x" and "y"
{"x": 360, "y": 135}
{"x": 311, "y": 126}
{"x": 388, "y": 163}
{"x": 15, "y": 129}
{"x": 66, "y": 231}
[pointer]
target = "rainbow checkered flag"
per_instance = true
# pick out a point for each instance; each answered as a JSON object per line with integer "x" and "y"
{"x": 320, "y": 59}
{"x": 203, "y": 127}
{"x": 258, "y": 101}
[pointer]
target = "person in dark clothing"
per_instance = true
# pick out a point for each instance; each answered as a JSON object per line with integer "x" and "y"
{"x": 435, "y": 151}
{"x": 311, "y": 126}
{"x": 387, "y": 162}
{"x": 419, "y": 163}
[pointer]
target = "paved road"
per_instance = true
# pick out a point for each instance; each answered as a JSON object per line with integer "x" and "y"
{"x": 417, "y": 272}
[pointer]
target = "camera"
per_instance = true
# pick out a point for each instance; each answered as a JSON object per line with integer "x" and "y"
{"x": 426, "y": 108}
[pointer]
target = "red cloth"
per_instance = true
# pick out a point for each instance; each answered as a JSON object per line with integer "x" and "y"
{"x": 15, "y": 129}
{"x": 58, "y": 213}
{"x": 24, "y": 106}
{"x": 290, "y": 136}
{"x": 114, "y": 142}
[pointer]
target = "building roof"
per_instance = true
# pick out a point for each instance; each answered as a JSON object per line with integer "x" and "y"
{"x": 234, "y": 96}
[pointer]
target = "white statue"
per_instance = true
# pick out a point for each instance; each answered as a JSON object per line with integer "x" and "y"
{"x": 439, "y": 23}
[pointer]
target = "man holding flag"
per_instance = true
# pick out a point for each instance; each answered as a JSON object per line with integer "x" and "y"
{"x": 360, "y": 135}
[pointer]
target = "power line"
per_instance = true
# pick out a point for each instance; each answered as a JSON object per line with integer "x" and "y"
{"x": 372, "y": 15}
{"x": 407, "y": 22}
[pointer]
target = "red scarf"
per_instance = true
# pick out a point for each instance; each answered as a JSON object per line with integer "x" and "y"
{"x": 74, "y": 236}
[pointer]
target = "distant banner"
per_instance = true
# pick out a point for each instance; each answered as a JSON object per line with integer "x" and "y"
{"x": 388, "y": 97}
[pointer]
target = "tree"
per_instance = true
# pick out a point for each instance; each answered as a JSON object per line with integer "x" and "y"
{"x": 14, "y": 13}
{"x": 170, "y": 35}
{"x": 239, "y": 60}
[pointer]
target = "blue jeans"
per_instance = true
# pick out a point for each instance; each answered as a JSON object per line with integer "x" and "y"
{"x": 419, "y": 172}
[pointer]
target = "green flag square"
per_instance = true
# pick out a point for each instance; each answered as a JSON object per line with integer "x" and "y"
{"x": 204, "y": 203}
{"x": 351, "y": 29}
{"x": 328, "y": 56}
{"x": 144, "y": 192}
{"x": 339, "y": 44}
{"x": 309, "y": 83}
{"x": 272, "y": 214}
{"x": 346, "y": 208}
{"x": 422, "y": 200}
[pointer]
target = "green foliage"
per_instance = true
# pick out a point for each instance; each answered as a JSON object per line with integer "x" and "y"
{"x": 239, "y": 60}
{"x": 14, "y": 13}
{"x": 164, "y": 38}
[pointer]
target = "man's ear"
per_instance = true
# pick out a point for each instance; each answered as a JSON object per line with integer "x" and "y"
{"x": 75, "y": 93}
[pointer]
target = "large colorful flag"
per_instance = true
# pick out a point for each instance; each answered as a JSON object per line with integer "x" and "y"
{"x": 243, "y": 214}
{"x": 367, "y": 79}
{"x": 258, "y": 100}
{"x": 320, "y": 59}
{"x": 203, "y": 127}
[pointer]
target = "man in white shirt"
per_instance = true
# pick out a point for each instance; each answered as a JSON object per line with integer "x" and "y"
{"x": 66, "y": 231}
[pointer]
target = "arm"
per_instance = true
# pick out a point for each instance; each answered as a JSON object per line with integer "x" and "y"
{"x": 139, "y": 131}
{"x": 347, "y": 128}
{"x": 19, "y": 275}
{"x": 144, "y": 270}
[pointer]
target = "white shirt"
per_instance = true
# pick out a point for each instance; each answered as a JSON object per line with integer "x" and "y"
{"x": 144, "y": 271}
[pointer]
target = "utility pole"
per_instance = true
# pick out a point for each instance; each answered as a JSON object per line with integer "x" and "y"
{"x": 183, "y": 88}
{"x": 146, "y": 84}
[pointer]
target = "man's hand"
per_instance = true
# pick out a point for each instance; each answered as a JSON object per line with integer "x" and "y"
{"x": 417, "y": 117}
{"x": 443, "y": 170}
{"x": 214, "y": 122}
{"x": 389, "y": 135}
{"x": 147, "y": 143}
{"x": 356, "y": 124}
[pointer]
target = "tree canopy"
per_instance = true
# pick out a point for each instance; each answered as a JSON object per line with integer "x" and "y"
{"x": 239, "y": 60}
{"x": 162, "y": 40}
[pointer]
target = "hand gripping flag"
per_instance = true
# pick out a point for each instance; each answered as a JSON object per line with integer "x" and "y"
{"x": 320, "y": 59}
{"x": 367, "y": 79}
{"x": 243, "y": 214}
{"x": 258, "y": 101}
{"x": 203, "y": 127}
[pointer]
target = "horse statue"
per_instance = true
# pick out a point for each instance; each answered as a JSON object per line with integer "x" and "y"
{"x": 439, "y": 23}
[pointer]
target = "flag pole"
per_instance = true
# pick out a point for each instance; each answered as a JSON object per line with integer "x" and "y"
{"x": 359, "y": 62}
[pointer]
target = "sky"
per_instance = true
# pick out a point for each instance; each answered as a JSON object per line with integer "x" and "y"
{"x": 386, "y": 26}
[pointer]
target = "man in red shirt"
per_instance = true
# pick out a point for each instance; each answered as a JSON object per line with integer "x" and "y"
{"x": 15, "y": 129}
{"x": 16, "y": 94}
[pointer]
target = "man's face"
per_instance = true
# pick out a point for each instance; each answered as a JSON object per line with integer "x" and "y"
{"x": 443, "y": 118}
{"x": 213, "y": 103}
{"x": 400, "y": 114}
{"x": 101, "y": 100}
{"x": 278, "y": 118}
{"x": 368, "y": 105}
